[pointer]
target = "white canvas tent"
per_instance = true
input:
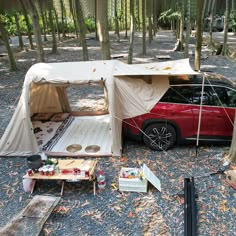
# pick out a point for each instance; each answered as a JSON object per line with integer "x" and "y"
{"x": 128, "y": 95}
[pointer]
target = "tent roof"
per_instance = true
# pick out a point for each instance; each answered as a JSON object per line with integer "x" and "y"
{"x": 94, "y": 71}
{"x": 175, "y": 67}
{"x": 70, "y": 72}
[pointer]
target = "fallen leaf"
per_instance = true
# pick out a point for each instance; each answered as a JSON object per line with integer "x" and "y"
{"x": 234, "y": 210}
{"x": 84, "y": 204}
{"x": 130, "y": 214}
{"x": 123, "y": 159}
{"x": 223, "y": 206}
{"x": 61, "y": 209}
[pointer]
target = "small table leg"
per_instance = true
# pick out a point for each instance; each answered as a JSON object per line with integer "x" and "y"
{"x": 62, "y": 187}
{"x": 32, "y": 187}
{"x": 94, "y": 187}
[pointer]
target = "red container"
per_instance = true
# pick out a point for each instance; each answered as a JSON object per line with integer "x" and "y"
{"x": 30, "y": 172}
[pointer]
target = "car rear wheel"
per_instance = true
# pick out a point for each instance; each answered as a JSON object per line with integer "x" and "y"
{"x": 159, "y": 136}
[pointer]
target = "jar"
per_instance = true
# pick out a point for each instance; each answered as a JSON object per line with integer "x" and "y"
{"x": 101, "y": 180}
{"x": 30, "y": 172}
{"x": 51, "y": 170}
{"x": 41, "y": 172}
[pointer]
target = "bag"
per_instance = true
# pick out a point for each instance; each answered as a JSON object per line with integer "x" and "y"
{"x": 28, "y": 185}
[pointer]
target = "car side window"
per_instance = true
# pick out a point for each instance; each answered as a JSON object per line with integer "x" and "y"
{"x": 178, "y": 94}
{"x": 207, "y": 98}
{"x": 232, "y": 97}
{"x": 225, "y": 97}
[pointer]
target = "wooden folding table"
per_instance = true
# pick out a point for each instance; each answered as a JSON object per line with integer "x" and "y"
{"x": 71, "y": 170}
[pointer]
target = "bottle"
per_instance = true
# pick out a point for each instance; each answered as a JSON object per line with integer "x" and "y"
{"x": 101, "y": 180}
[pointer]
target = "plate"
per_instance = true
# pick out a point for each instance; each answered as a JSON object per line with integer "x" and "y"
{"x": 74, "y": 148}
{"x": 92, "y": 149}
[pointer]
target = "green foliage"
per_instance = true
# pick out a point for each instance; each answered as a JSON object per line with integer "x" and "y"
{"x": 10, "y": 24}
{"x": 169, "y": 15}
{"x": 69, "y": 27}
{"x": 90, "y": 23}
{"x": 22, "y": 23}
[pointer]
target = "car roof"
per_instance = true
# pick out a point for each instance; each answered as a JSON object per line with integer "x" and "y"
{"x": 210, "y": 79}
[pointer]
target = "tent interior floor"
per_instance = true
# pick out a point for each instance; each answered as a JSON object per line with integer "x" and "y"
{"x": 75, "y": 136}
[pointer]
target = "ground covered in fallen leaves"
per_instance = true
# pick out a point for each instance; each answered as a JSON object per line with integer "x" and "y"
{"x": 109, "y": 212}
{"x": 112, "y": 213}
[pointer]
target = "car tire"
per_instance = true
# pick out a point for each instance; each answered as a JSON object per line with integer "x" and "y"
{"x": 159, "y": 136}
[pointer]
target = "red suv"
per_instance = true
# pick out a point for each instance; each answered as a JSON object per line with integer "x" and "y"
{"x": 175, "y": 117}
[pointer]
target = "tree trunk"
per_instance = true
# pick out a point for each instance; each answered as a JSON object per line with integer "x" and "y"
{"x": 154, "y": 17}
{"x": 226, "y": 19}
{"x": 188, "y": 29}
{"x": 131, "y": 39}
{"x": 211, "y": 21}
{"x": 21, "y": 44}
{"x": 204, "y": 13}
{"x": 150, "y": 21}
{"x": 117, "y": 30}
{"x": 57, "y": 24}
{"x": 37, "y": 33}
{"x": 54, "y": 40}
{"x": 73, "y": 13}
{"x": 62, "y": 19}
{"x": 5, "y": 38}
{"x": 82, "y": 29}
{"x": 144, "y": 26}
{"x": 126, "y": 19}
{"x": 233, "y": 12}
{"x": 232, "y": 152}
{"x": 27, "y": 24}
{"x": 209, "y": 4}
{"x": 96, "y": 16}
{"x": 40, "y": 6}
{"x": 102, "y": 27}
{"x": 198, "y": 46}
{"x": 181, "y": 26}
{"x": 138, "y": 16}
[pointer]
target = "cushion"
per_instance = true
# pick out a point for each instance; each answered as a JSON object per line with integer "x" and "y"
{"x": 59, "y": 116}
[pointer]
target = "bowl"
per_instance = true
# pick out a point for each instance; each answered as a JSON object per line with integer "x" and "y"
{"x": 34, "y": 162}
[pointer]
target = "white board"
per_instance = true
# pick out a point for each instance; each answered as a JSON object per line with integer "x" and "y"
{"x": 151, "y": 177}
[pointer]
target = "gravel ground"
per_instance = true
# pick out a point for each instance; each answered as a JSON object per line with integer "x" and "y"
{"x": 109, "y": 212}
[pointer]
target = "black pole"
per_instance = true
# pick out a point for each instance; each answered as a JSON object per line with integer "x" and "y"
{"x": 193, "y": 210}
{"x": 190, "y": 211}
{"x": 187, "y": 209}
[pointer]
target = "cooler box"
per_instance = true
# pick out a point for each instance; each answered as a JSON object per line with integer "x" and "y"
{"x": 136, "y": 179}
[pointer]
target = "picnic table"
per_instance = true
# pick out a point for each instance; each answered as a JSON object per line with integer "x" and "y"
{"x": 70, "y": 170}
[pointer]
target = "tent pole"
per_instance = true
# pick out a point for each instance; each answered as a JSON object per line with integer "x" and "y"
{"x": 200, "y": 115}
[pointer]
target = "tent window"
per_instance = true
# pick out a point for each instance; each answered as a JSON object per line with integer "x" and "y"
{"x": 87, "y": 97}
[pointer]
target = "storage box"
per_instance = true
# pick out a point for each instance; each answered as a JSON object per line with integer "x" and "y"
{"x": 133, "y": 184}
{"x": 136, "y": 179}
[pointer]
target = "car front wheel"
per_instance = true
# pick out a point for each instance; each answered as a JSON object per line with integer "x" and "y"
{"x": 159, "y": 136}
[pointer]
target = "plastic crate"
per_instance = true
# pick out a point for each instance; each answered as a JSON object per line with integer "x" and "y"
{"x": 132, "y": 184}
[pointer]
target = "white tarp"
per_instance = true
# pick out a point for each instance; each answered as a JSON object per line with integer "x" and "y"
{"x": 127, "y": 97}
